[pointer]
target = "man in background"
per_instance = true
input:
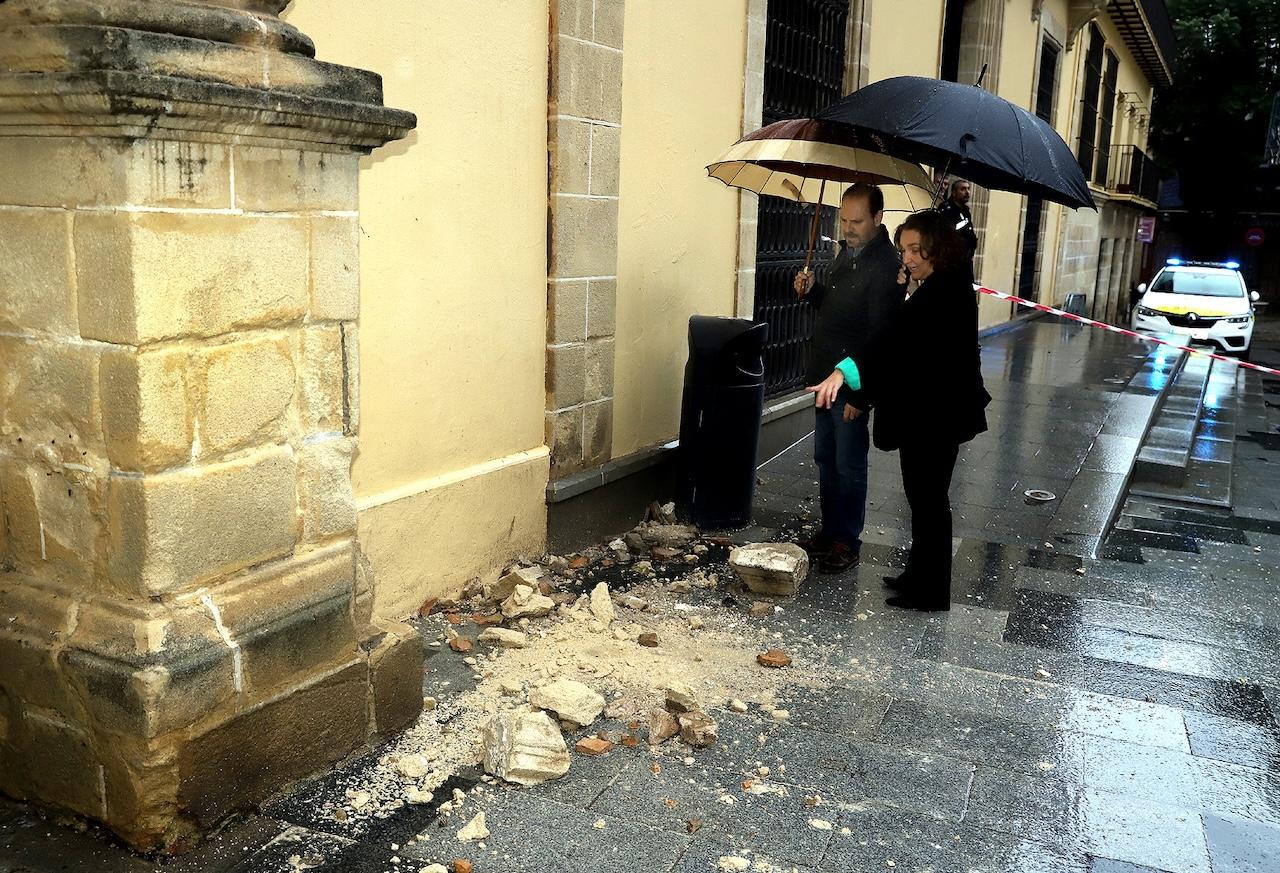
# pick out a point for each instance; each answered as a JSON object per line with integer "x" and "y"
{"x": 956, "y": 210}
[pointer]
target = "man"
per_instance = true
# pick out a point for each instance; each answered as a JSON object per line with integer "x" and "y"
{"x": 854, "y": 310}
{"x": 956, "y": 210}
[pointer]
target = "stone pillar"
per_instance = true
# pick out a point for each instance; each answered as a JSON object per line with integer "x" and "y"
{"x": 857, "y": 50}
{"x": 182, "y": 630}
{"x": 584, "y": 133}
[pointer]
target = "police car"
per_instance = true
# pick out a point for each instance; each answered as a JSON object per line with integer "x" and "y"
{"x": 1207, "y": 302}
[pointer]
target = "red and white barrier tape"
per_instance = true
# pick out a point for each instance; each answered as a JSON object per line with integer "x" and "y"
{"x": 1146, "y": 338}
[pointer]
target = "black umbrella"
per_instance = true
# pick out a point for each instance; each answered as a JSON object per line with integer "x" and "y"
{"x": 965, "y": 131}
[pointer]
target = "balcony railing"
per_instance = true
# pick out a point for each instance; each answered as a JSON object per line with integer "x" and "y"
{"x": 1132, "y": 171}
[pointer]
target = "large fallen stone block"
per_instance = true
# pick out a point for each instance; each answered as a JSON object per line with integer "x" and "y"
{"x": 570, "y": 700}
{"x": 771, "y": 568}
{"x": 525, "y": 748}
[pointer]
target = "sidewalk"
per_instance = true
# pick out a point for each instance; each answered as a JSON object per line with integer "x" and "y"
{"x": 1069, "y": 715}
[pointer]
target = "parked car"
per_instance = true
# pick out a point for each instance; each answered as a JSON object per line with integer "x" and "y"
{"x": 1206, "y": 302}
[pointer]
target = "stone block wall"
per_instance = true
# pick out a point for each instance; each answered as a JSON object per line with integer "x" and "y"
{"x": 177, "y": 424}
{"x": 184, "y": 629}
{"x": 584, "y": 136}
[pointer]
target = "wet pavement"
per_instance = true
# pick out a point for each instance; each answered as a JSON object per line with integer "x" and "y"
{"x": 1073, "y": 713}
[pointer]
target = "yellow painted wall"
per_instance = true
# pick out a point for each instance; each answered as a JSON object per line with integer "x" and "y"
{"x": 906, "y": 38}
{"x": 677, "y": 229}
{"x": 452, "y": 469}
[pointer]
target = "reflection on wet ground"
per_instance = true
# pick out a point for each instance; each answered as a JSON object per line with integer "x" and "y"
{"x": 1118, "y": 713}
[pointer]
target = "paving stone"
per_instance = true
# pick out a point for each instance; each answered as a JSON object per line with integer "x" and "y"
{"x": 1238, "y": 845}
{"x": 1129, "y": 829}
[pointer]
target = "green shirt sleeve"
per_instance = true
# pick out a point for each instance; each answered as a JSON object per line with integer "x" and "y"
{"x": 851, "y": 376}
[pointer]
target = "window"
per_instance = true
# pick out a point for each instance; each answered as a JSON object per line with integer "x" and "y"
{"x": 1107, "y": 113}
{"x": 1086, "y": 144}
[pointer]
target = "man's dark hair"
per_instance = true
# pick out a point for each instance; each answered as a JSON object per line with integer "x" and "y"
{"x": 873, "y": 195}
{"x": 956, "y": 183}
{"x": 940, "y": 243}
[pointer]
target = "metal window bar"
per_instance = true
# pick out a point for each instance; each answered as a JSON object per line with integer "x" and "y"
{"x": 804, "y": 71}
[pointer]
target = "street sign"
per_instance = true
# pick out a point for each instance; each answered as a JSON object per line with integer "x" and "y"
{"x": 1255, "y": 236}
{"x": 1146, "y": 228}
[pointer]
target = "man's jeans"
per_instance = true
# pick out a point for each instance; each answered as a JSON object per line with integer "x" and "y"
{"x": 840, "y": 449}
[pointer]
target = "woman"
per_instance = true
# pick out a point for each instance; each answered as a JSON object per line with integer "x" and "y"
{"x": 926, "y": 384}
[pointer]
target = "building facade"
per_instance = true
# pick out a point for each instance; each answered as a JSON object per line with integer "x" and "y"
{"x": 473, "y": 350}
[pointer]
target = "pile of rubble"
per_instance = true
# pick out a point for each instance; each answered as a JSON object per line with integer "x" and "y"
{"x": 553, "y": 651}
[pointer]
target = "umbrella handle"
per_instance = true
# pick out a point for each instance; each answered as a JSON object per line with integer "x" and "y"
{"x": 813, "y": 227}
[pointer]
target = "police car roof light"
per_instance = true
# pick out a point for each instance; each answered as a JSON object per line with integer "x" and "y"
{"x": 1173, "y": 262}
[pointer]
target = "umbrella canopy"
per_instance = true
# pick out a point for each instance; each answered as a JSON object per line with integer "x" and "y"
{"x": 794, "y": 158}
{"x": 967, "y": 132}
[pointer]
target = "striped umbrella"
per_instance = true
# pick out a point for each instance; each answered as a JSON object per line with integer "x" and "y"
{"x": 812, "y": 161}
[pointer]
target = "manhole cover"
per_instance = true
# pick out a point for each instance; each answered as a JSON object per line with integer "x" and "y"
{"x": 1037, "y": 495}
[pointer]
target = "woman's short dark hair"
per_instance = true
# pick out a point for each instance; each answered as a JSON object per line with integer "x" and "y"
{"x": 940, "y": 243}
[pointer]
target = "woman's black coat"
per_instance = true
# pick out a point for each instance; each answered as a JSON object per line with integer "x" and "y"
{"x": 925, "y": 379}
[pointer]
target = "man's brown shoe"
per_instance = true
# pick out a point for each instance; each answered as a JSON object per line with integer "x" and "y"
{"x": 840, "y": 558}
{"x": 816, "y": 546}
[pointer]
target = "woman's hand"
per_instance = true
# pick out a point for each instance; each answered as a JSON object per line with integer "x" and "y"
{"x": 851, "y": 412}
{"x": 826, "y": 391}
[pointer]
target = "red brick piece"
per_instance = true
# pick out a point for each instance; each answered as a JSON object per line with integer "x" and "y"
{"x": 460, "y": 644}
{"x": 773, "y": 658}
{"x": 461, "y": 865}
{"x": 649, "y": 640}
{"x": 593, "y": 746}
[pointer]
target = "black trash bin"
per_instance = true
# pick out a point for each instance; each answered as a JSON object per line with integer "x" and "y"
{"x": 720, "y": 421}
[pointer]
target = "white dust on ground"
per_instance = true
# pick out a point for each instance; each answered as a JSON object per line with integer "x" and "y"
{"x": 711, "y": 649}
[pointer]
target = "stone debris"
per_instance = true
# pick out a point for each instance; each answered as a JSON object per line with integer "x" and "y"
{"x": 775, "y": 658}
{"x": 662, "y": 726}
{"x": 602, "y": 604}
{"x": 666, "y": 553}
{"x": 417, "y": 795}
{"x": 648, "y": 640}
{"x": 819, "y": 824}
{"x": 630, "y": 601}
{"x": 461, "y": 865}
{"x": 525, "y": 748}
{"x": 526, "y": 602}
{"x": 506, "y": 586}
{"x": 781, "y": 715}
{"x": 413, "y": 766}
{"x": 771, "y": 568}
{"x": 696, "y": 623}
{"x": 736, "y": 705}
{"x": 697, "y": 729}
{"x": 600, "y": 824}
{"x": 680, "y": 698}
{"x": 761, "y": 609}
{"x": 693, "y": 825}
{"x": 732, "y": 863}
{"x": 570, "y": 700}
{"x": 473, "y": 830}
{"x": 593, "y": 746}
{"x": 433, "y": 868}
{"x": 508, "y": 639}
{"x": 460, "y": 644}
{"x": 671, "y": 536}
{"x": 358, "y": 799}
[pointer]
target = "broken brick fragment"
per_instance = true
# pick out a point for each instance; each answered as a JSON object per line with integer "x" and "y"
{"x": 593, "y": 746}
{"x": 648, "y": 640}
{"x": 487, "y": 619}
{"x": 461, "y": 865}
{"x": 453, "y": 617}
{"x": 773, "y": 658}
{"x": 578, "y": 562}
{"x": 428, "y": 606}
{"x": 460, "y": 644}
{"x": 630, "y": 741}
